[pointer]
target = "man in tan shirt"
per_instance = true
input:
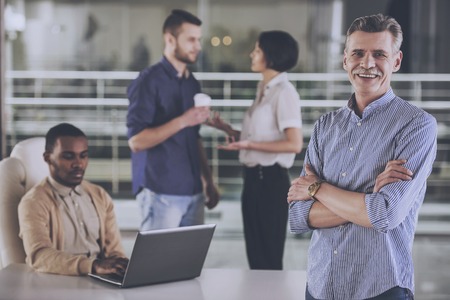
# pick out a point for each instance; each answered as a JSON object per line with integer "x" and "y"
{"x": 67, "y": 224}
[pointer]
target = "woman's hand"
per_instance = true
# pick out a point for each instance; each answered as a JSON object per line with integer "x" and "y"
{"x": 232, "y": 145}
{"x": 217, "y": 122}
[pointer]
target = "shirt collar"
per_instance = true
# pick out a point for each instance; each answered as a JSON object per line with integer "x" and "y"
{"x": 386, "y": 98}
{"x": 282, "y": 77}
{"x": 63, "y": 190}
{"x": 172, "y": 71}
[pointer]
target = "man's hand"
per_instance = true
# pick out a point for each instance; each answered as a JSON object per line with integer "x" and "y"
{"x": 195, "y": 116}
{"x": 394, "y": 172}
{"x": 110, "y": 265}
{"x": 212, "y": 195}
{"x": 299, "y": 187}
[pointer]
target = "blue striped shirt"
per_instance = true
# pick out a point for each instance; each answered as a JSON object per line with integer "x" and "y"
{"x": 351, "y": 261}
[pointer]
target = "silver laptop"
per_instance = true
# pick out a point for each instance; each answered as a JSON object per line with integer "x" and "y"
{"x": 165, "y": 255}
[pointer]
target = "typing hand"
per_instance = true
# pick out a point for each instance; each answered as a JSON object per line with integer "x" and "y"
{"x": 110, "y": 265}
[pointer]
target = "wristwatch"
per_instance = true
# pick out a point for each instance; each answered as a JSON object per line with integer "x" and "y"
{"x": 313, "y": 188}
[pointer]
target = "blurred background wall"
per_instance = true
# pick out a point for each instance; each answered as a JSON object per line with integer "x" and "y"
{"x": 107, "y": 34}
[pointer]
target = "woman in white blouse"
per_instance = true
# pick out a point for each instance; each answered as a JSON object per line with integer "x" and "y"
{"x": 270, "y": 138}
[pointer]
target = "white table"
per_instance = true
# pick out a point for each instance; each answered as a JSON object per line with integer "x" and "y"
{"x": 17, "y": 281}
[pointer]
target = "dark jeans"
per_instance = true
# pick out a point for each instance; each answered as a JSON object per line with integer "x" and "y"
{"x": 396, "y": 293}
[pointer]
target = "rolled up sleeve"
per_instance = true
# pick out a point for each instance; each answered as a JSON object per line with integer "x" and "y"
{"x": 298, "y": 216}
{"x": 393, "y": 203}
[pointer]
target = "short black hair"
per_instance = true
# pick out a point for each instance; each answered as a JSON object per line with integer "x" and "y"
{"x": 62, "y": 129}
{"x": 377, "y": 23}
{"x": 174, "y": 21}
{"x": 280, "y": 50}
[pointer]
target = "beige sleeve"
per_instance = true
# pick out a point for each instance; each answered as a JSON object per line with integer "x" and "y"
{"x": 42, "y": 240}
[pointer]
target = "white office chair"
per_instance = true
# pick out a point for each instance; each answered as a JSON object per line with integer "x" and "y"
{"x": 18, "y": 173}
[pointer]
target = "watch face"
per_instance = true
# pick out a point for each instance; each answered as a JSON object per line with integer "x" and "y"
{"x": 312, "y": 188}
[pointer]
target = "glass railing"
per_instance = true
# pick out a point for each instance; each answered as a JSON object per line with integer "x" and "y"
{"x": 97, "y": 103}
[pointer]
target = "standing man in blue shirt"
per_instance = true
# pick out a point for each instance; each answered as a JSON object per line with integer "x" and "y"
{"x": 168, "y": 159}
{"x": 363, "y": 223}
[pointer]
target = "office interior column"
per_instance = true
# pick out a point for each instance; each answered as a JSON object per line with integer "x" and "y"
{"x": 2, "y": 80}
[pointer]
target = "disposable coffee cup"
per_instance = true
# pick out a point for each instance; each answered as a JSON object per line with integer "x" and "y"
{"x": 201, "y": 99}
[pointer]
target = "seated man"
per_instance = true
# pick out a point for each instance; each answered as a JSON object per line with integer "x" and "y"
{"x": 67, "y": 224}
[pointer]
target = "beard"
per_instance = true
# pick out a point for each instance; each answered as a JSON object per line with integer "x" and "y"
{"x": 183, "y": 56}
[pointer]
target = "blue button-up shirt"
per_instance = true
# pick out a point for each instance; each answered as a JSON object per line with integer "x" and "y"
{"x": 157, "y": 96}
{"x": 350, "y": 261}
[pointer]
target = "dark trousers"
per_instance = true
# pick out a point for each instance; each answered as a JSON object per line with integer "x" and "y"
{"x": 396, "y": 293}
{"x": 265, "y": 214}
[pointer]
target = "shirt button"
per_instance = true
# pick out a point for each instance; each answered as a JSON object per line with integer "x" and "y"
{"x": 359, "y": 123}
{"x": 351, "y": 148}
{"x": 335, "y": 252}
{"x": 344, "y": 174}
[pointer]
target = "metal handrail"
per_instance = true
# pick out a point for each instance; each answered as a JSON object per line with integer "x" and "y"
{"x": 417, "y": 80}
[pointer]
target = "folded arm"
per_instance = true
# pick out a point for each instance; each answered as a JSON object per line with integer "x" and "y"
{"x": 335, "y": 206}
